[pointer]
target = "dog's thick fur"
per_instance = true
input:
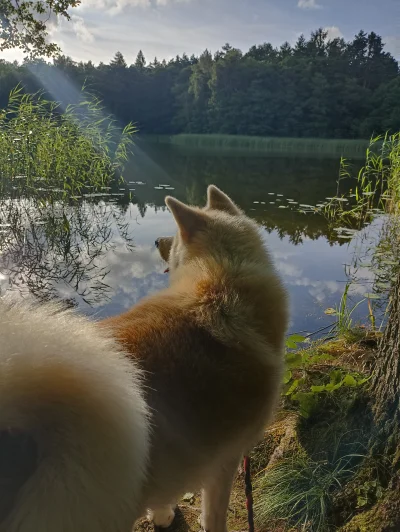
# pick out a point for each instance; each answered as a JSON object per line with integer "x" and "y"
{"x": 204, "y": 355}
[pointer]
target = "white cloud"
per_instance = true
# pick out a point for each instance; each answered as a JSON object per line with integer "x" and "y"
{"x": 333, "y": 32}
{"x": 308, "y": 4}
{"x": 114, "y": 7}
{"x": 82, "y": 31}
{"x": 393, "y": 45}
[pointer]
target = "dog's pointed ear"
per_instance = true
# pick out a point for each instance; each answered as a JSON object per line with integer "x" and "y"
{"x": 216, "y": 199}
{"x": 189, "y": 220}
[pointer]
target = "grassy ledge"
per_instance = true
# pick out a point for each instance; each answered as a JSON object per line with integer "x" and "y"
{"x": 271, "y": 145}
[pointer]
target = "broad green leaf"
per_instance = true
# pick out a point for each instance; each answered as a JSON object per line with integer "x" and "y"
{"x": 297, "y": 338}
{"x": 294, "y": 360}
{"x": 291, "y": 389}
{"x": 318, "y": 389}
{"x": 349, "y": 380}
{"x": 287, "y": 377}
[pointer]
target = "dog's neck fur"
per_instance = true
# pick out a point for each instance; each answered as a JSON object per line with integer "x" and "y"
{"x": 213, "y": 289}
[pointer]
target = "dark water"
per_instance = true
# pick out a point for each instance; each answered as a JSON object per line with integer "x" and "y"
{"x": 99, "y": 252}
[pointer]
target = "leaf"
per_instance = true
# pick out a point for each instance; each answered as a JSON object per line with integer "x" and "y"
{"x": 335, "y": 376}
{"x": 291, "y": 389}
{"x": 188, "y": 497}
{"x": 330, "y": 311}
{"x": 290, "y": 344}
{"x": 349, "y": 380}
{"x": 297, "y": 338}
{"x": 370, "y": 295}
{"x": 294, "y": 360}
{"x": 363, "y": 381}
{"x": 287, "y": 377}
{"x": 331, "y": 387}
{"x": 318, "y": 389}
{"x": 307, "y": 402}
{"x": 67, "y": 227}
{"x": 362, "y": 500}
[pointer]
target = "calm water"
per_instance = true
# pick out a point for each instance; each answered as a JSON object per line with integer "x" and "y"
{"x": 100, "y": 253}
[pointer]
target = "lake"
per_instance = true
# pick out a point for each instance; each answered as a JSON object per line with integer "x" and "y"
{"x": 98, "y": 252}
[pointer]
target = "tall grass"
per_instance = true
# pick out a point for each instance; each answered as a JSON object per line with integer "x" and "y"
{"x": 300, "y": 491}
{"x": 375, "y": 193}
{"x": 376, "y": 188}
{"x": 42, "y": 148}
{"x": 232, "y": 143}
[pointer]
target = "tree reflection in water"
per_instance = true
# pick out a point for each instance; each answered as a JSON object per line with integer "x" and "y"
{"x": 51, "y": 248}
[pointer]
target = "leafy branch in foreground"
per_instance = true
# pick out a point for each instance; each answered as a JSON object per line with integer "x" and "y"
{"x": 42, "y": 148}
{"x": 24, "y": 24}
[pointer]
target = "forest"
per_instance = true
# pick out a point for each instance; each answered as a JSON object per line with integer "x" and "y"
{"x": 318, "y": 87}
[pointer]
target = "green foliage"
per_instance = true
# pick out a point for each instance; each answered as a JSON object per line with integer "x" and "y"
{"x": 49, "y": 161}
{"x": 368, "y": 492}
{"x": 343, "y": 313}
{"x": 375, "y": 194}
{"x": 305, "y": 391}
{"x": 300, "y": 491}
{"x": 318, "y": 88}
{"x": 303, "y": 386}
{"x": 42, "y": 148}
{"x": 23, "y": 24}
{"x": 293, "y": 340}
{"x": 376, "y": 188}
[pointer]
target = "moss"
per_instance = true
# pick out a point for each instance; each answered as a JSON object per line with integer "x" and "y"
{"x": 384, "y": 516}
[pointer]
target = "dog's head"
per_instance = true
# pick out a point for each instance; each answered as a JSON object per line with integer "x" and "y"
{"x": 220, "y": 229}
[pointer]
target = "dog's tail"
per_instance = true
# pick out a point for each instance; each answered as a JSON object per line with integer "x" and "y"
{"x": 73, "y": 425}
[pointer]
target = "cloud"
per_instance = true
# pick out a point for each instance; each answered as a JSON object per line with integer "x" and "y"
{"x": 333, "y": 32}
{"x": 393, "y": 45}
{"x": 308, "y": 4}
{"x": 81, "y": 30}
{"x": 114, "y": 7}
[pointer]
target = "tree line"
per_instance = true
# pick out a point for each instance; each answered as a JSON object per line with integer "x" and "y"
{"x": 318, "y": 87}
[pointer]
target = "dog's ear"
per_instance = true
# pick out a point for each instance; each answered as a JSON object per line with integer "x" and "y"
{"x": 216, "y": 199}
{"x": 189, "y": 220}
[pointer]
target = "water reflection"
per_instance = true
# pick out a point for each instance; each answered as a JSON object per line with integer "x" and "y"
{"x": 52, "y": 249}
{"x": 97, "y": 252}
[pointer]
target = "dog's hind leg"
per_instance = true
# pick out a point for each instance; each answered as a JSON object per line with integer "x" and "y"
{"x": 216, "y": 494}
{"x": 163, "y": 515}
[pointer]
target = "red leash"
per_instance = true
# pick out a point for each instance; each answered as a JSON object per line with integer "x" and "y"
{"x": 249, "y": 492}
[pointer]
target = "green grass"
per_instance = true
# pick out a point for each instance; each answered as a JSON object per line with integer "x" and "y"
{"x": 300, "y": 491}
{"x": 232, "y": 143}
{"x": 376, "y": 188}
{"x": 42, "y": 148}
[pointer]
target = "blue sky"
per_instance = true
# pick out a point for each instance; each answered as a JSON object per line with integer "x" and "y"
{"x": 164, "y": 28}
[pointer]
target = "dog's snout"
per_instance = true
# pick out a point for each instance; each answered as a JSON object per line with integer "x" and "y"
{"x": 157, "y": 242}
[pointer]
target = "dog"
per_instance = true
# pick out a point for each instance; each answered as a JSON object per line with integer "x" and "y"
{"x": 103, "y": 422}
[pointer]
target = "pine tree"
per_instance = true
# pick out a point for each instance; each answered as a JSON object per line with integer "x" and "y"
{"x": 140, "y": 62}
{"x": 118, "y": 61}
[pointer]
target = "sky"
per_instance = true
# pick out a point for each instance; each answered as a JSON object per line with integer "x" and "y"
{"x": 165, "y": 28}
